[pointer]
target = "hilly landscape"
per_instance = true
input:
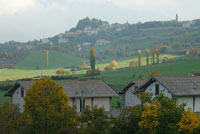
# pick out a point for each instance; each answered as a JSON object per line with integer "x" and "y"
{"x": 111, "y": 41}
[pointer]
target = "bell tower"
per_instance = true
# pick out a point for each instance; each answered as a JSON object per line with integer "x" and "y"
{"x": 176, "y": 17}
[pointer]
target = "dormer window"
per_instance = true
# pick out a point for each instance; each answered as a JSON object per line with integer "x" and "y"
{"x": 22, "y": 92}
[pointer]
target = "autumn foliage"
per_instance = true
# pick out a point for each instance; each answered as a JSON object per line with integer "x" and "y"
{"x": 190, "y": 123}
{"x": 47, "y": 105}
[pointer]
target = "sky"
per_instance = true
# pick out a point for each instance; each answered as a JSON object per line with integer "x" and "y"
{"x": 24, "y": 20}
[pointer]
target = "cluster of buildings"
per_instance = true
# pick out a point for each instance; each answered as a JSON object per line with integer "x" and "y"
{"x": 91, "y": 93}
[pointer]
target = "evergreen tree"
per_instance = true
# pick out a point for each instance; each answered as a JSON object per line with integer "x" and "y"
{"x": 92, "y": 58}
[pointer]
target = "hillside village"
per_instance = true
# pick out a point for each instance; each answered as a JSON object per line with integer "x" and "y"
{"x": 156, "y": 91}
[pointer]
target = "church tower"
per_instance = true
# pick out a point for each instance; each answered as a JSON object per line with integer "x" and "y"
{"x": 176, "y": 17}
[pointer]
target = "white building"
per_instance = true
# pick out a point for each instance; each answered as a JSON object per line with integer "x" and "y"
{"x": 186, "y": 89}
{"x": 94, "y": 93}
{"x": 129, "y": 98}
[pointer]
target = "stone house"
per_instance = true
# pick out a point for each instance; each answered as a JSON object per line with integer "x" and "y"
{"x": 92, "y": 93}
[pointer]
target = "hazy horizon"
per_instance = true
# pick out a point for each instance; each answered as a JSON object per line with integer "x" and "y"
{"x": 23, "y": 20}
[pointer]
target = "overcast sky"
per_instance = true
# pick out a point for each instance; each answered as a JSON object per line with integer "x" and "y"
{"x": 24, "y": 20}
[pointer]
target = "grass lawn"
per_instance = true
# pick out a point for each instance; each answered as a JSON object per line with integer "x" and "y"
{"x": 56, "y": 60}
{"x": 3, "y": 98}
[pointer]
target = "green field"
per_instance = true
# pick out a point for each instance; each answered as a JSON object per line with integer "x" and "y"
{"x": 13, "y": 74}
{"x": 121, "y": 76}
{"x": 36, "y": 59}
{"x": 179, "y": 68}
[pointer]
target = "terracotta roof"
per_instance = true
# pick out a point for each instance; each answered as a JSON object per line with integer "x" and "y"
{"x": 178, "y": 86}
{"x": 74, "y": 88}
{"x": 130, "y": 84}
{"x": 195, "y": 74}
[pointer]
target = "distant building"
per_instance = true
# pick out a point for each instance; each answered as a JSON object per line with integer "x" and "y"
{"x": 176, "y": 18}
{"x": 94, "y": 93}
{"x": 77, "y": 48}
{"x": 62, "y": 40}
{"x": 45, "y": 41}
{"x": 194, "y": 74}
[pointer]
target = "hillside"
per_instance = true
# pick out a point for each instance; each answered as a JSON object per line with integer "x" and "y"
{"x": 36, "y": 60}
{"x": 125, "y": 75}
{"x": 111, "y": 41}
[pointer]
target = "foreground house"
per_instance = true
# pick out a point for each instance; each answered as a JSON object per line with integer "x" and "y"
{"x": 93, "y": 93}
{"x": 186, "y": 89}
{"x": 129, "y": 98}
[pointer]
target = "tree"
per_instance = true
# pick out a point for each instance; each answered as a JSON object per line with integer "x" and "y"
{"x": 47, "y": 105}
{"x": 108, "y": 68}
{"x": 132, "y": 64}
{"x": 139, "y": 57}
{"x": 153, "y": 56}
{"x": 157, "y": 55}
{"x": 94, "y": 120}
{"x": 194, "y": 51}
{"x": 147, "y": 57}
{"x": 154, "y": 74}
{"x": 150, "y": 117}
{"x": 187, "y": 53}
{"x": 47, "y": 58}
{"x": 165, "y": 58}
{"x": 127, "y": 122}
{"x": 12, "y": 121}
{"x": 113, "y": 63}
{"x": 189, "y": 123}
{"x": 92, "y": 58}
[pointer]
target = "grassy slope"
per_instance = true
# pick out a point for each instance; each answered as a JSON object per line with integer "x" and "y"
{"x": 123, "y": 76}
{"x": 56, "y": 60}
{"x": 13, "y": 74}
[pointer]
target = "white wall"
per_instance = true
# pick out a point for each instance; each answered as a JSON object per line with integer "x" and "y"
{"x": 103, "y": 102}
{"x": 130, "y": 98}
{"x": 197, "y": 104}
{"x": 187, "y": 100}
{"x": 100, "y": 102}
{"x": 152, "y": 89}
{"x": 17, "y": 99}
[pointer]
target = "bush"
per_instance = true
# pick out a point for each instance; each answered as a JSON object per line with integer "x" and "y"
{"x": 132, "y": 64}
{"x": 108, "y": 68}
{"x": 93, "y": 72}
{"x": 114, "y": 63}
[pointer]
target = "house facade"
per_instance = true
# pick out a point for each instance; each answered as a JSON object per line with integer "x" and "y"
{"x": 81, "y": 94}
{"x": 129, "y": 98}
{"x": 185, "y": 89}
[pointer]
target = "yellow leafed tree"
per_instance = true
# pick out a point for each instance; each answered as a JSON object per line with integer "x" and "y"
{"x": 150, "y": 117}
{"x": 147, "y": 57}
{"x": 114, "y": 63}
{"x": 189, "y": 123}
{"x": 139, "y": 57}
{"x": 47, "y": 58}
{"x": 47, "y": 105}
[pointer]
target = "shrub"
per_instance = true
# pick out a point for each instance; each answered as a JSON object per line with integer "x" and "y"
{"x": 114, "y": 63}
{"x": 108, "y": 68}
{"x": 132, "y": 64}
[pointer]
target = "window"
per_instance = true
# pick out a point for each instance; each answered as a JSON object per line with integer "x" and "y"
{"x": 82, "y": 104}
{"x": 22, "y": 92}
{"x": 157, "y": 89}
